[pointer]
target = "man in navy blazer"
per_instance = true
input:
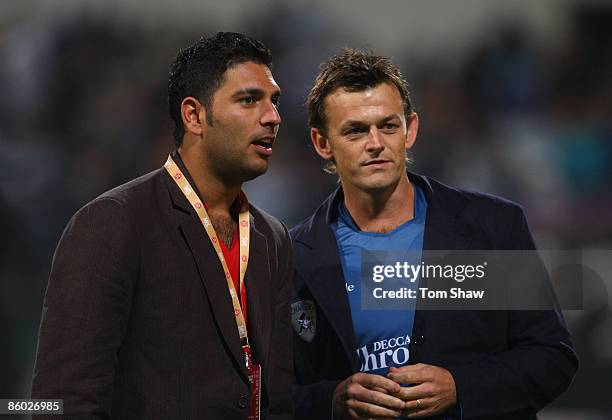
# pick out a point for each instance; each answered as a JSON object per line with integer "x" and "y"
{"x": 462, "y": 363}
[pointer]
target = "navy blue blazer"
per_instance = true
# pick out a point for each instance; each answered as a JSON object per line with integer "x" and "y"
{"x": 506, "y": 364}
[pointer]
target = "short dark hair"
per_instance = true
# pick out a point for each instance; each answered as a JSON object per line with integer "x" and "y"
{"x": 354, "y": 71}
{"x": 199, "y": 69}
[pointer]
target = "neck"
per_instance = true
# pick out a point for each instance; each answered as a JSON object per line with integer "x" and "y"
{"x": 381, "y": 210}
{"x": 216, "y": 191}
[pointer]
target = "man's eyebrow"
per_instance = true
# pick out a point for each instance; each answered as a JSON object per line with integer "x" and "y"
{"x": 359, "y": 123}
{"x": 254, "y": 91}
{"x": 354, "y": 123}
{"x": 389, "y": 118}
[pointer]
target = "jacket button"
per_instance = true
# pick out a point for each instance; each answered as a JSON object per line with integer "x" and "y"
{"x": 243, "y": 402}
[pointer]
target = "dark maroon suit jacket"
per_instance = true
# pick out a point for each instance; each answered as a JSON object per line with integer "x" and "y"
{"x": 137, "y": 320}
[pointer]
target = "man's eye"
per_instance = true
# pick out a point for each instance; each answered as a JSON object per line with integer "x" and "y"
{"x": 390, "y": 126}
{"x": 248, "y": 100}
{"x": 354, "y": 130}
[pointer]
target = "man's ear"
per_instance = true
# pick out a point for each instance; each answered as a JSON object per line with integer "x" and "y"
{"x": 193, "y": 114}
{"x": 412, "y": 127}
{"x": 321, "y": 144}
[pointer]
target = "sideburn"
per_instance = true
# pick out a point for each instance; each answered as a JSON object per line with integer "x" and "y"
{"x": 209, "y": 117}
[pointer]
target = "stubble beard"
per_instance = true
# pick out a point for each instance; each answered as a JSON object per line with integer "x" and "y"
{"x": 235, "y": 166}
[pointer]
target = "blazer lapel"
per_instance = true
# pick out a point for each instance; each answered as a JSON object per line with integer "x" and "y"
{"x": 259, "y": 291}
{"x": 325, "y": 279}
{"x": 443, "y": 231}
{"x": 326, "y": 282}
{"x": 209, "y": 269}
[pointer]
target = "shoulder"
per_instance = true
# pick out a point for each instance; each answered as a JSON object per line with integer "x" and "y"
{"x": 108, "y": 228}
{"x": 474, "y": 201}
{"x": 316, "y": 225}
{"x": 457, "y": 202}
{"x": 135, "y": 189}
{"x": 268, "y": 225}
{"x": 501, "y": 220}
{"x": 278, "y": 243}
{"x": 118, "y": 206}
{"x": 302, "y": 228}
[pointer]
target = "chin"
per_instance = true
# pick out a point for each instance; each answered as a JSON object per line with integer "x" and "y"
{"x": 376, "y": 183}
{"x": 253, "y": 172}
{"x": 375, "y": 187}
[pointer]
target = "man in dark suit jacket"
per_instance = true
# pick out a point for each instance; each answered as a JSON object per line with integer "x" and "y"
{"x": 463, "y": 363}
{"x": 138, "y": 321}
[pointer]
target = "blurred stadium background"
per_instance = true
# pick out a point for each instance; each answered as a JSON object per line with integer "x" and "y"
{"x": 515, "y": 99}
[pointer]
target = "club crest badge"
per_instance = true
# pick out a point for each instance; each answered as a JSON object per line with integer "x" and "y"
{"x": 304, "y": 319}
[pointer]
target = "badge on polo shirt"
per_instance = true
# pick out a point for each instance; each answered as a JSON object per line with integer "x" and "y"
{"x": 304, "y": 319}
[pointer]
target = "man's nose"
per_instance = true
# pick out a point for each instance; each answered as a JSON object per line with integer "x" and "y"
{"x": 374, "y": 140}
{"x": 270, "y": 116}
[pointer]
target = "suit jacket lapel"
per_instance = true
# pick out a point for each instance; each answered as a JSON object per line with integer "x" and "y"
{"x": 325, "y": 278}
{"x": 443, "y": 231}
{"x": 213, "y": 280}
{"x": 259, "y": 291}
{"x": 209, "y": 267}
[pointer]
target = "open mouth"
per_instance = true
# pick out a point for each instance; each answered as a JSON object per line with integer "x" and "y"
{"x": 264, "y": 145}
{"x": 263, "y": 142}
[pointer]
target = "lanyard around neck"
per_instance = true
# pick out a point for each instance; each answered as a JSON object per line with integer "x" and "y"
{"x": 243, "y": 233}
